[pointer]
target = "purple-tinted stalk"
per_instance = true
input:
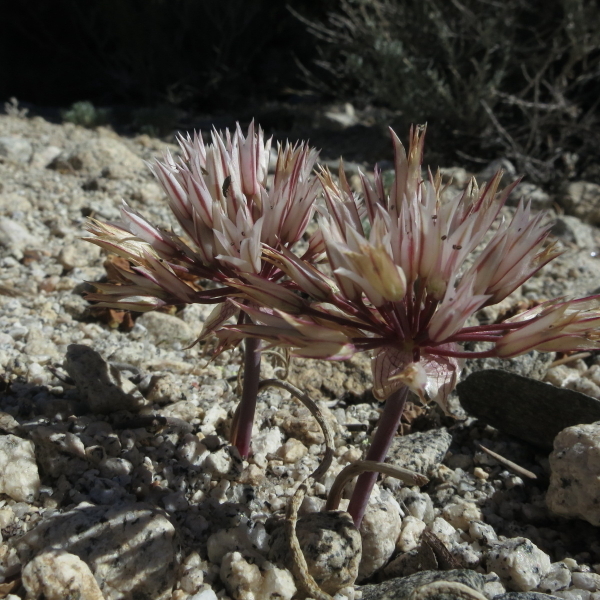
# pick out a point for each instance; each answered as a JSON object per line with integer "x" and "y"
{"x": 382, "y": 440}
{"x": 244, "y": 419}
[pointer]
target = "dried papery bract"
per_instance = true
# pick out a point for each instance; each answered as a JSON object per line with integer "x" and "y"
{"x": 228, "y": 215}
{"x": 404, "y": 286}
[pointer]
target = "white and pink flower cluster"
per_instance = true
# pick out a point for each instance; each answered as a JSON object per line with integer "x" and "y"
{"x": 405, "y": 268}
{"x": 219, "y": 196}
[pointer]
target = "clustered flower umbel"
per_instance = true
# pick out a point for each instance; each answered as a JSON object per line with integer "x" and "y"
{"x": 404, "y": 290}
{"x": 401, "y": 285}
{"x": 220, "y": 198}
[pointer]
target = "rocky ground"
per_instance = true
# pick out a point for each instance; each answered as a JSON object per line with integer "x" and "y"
{"x": 116, "y": 478}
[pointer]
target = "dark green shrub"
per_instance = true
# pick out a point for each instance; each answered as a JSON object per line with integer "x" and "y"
{"x": 84, "y": 113}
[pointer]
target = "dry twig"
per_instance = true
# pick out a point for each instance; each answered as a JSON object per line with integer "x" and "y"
{"x": 352, "y": 470}
{"x": 509, "y": 464}
{"x": 300, "y": 568}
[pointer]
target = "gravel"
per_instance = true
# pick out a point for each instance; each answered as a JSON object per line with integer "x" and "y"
{"x": 114, "y": 462}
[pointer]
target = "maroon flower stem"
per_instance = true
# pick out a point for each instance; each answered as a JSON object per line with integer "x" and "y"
{"x": 382, "y": 439}
{"x": 244, "y": 417}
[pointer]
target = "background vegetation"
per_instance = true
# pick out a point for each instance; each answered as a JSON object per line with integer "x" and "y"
{"x": 520, "y": 77}
{"x": 512, "y": 78}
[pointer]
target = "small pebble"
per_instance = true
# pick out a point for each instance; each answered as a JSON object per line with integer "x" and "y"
{"x": 56, "y": 575}
{"x": 379, "y": 530}
{"x": 519, "y": 563}
{"x": 556, "y": 579}
{"x": 19, "y": 477}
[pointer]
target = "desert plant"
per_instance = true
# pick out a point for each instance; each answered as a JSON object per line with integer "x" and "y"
{"x": 85, "y": 114}
{"x": 12, "y": 109}
{"x": 219, "y": 196}
{"x": 406, "y": 291}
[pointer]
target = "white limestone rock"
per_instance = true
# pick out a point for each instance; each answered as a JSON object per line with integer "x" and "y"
{"x": 418, "y": 504}
{"x": 166, "y": 330}
{"x": 191, "y": 575}
{"x": 10, "y": 564}
{"x": 15, "y": 149}
{"x": 15, "y": 236}
{"x": 267, "y": 441}
{"x": 482, "y": 532}
{"x": 461, "y": 514}
{"x": 586, "y": 581}
{"x": 78, "y": 254}
{"x": 249, "y": 537}
{"x": 519, "y": 563}
{"x": 192, "y": 452}
{"x": 278, "y": 584}
{"x": 493, "y": 586}
{"x": 445, "y": 532}
{"x": 102, "y": 155}
{"x": 19, "y": 477}
{"x": 206, "y": 594}
{"x": 56, "y": 575}
{"x": 580, "y": 198}
{"x": 242, "y": 579}
{"x": 574, "y": 489}
{"x": 574, "y": 594}
{"x": 292, "y": 451}
{"x": 218, "y": 463}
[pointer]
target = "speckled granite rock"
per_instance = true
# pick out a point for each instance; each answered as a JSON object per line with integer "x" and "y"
{"x": 349, "y": 379}
{"x": 58, "y": 575}
{"x": 582, "y": 199}
{"x": 379, "y": 530}
{"x": 331, "y": 545}
{"x": 15, "y": 149}
{"x": 100, "y": 155}
{"x": 130, "y": 548}
{"x": 173, "y": 453}
{"x": 19, "y": 477}
{"x": 245, "y": 581}
{"x": 574, "y": 483}
{"x": 556, "y": 579}
{"x": 533, "y": 364}
{"x": 519, "y": 563}
{"x": 420, "y": 451}
{"x": 525, "y": 596}
{"x": 401, "y": 588}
